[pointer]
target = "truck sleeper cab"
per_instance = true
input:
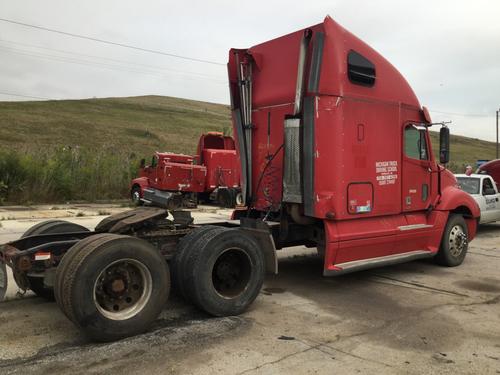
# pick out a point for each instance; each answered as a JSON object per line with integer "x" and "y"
{"x": 334, "y": 146}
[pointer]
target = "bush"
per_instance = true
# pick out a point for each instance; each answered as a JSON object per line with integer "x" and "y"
{"x": 63, "y": 174}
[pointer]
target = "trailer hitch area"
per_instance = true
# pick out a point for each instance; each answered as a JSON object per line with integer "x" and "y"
{"x": 15, "y": 258}
{"x": 20, "y": 264}
{"x": 8, "y": 253}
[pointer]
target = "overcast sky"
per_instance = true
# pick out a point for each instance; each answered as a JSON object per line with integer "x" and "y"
{"x": 449, "y": 51}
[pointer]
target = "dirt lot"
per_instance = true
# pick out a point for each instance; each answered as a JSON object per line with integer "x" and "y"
{"x": 411, "y": 318}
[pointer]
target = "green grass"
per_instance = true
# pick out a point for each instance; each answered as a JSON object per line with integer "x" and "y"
{"x": 464, "y": 151}
{"x": 56, "y": 151}
{"x": 140, "y": 125}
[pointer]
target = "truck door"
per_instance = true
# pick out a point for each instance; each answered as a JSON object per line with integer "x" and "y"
{"x": 417, "y": 171}
{"x": 153, "y": 173}
{"x": 491, "y": 209}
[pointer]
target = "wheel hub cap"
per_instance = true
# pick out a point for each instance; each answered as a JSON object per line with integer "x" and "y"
{"x": 457, "y": 241}
{"x": 122, "y": 289}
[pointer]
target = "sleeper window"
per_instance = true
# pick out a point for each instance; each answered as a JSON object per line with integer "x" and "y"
{"x": 361, "y": 71}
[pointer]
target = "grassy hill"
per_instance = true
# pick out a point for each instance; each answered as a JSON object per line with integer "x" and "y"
{"x": 465, "y": 150}
{"x": 138, "y": 124}
{"x": 54, "y": 151}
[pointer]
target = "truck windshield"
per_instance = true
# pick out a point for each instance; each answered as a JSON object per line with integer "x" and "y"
{"x": 468, "y": 184}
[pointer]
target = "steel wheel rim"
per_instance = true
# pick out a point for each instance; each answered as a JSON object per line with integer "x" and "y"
{"x": 457, "y": 241}
{"x": 136, "y": 197}
{"x": 239, "y": 199}
{"x": 231, "y": 273}
{"x": 122, "y": 289}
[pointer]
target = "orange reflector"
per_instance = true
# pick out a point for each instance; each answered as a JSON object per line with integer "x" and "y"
{"x": 42, "y": 255}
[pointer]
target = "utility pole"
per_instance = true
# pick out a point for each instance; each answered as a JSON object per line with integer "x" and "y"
{"x": 497, "y": 131}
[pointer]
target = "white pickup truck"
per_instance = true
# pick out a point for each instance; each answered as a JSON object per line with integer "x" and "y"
{"x": 485, "y": 192}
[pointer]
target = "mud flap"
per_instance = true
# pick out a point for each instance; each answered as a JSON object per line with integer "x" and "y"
{"x": 3, "y": 280}
{"x": 262, "y": 233}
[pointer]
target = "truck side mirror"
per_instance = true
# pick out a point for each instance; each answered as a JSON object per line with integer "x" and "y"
{"x": 143, "y": 163}
{"x": 444, "y": 145}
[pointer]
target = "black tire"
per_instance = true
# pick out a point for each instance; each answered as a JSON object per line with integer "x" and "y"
{"x": 190, "y": 200}
{"x": 135, "y": 195}
{"x": 224, "y": 198}
{"x": 232, "y": 201}
{"x": 66, "y": 261}
{"x": 226, "y": 273}
{"x": 454, "y": 243}
{"x": 187, "y": 246}
{"x": 180, "y": 252}
{"x": 49, "y": 227}
{"x": 204, "y": 198}
{"x": 107, "y": 275}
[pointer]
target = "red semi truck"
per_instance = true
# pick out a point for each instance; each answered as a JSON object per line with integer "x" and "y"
{"x": 173, "y": 180}
{"x": 335, "y": 154}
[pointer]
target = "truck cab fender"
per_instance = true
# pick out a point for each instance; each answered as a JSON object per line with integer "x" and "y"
{"x": 454, "y": 200}
{"x": 260, "y": 231}
{"x": 142, "y": 182}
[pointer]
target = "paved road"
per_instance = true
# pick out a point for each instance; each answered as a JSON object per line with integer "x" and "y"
{"x": 412, "y": 318}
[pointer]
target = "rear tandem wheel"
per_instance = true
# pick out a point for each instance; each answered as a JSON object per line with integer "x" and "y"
{"x": 186, "y": 246}
{"x": 112, "y": 286}
{"x": 224, "y": 273}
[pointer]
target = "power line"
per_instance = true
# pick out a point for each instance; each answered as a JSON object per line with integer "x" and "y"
{"x": 72, "y": 60}
{"x": 109, "y": 59}
{"x": 111, "y": 43}
{"x": 69, "y": 60}
{"x": 24, "y": 96}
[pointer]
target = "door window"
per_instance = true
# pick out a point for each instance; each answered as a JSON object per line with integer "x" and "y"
{"x": 415, "y": 143}
{"x": 488, "y": 188}
{"x": 154, "y": 162}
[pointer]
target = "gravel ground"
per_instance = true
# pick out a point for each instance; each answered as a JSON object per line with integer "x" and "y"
{"x": 411, "y": 318}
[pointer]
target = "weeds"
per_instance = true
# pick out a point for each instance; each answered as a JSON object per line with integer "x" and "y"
{"x": 65, "y": 174}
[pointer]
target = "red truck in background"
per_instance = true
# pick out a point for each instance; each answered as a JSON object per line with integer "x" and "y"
{"x": 175, "y": 180}
{"x": 492, "y": 168}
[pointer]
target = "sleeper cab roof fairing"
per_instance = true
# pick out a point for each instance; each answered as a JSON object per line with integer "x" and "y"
{"x": 276, "y": 69}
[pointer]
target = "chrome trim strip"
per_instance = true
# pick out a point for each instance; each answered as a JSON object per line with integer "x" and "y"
{"x": 414, "y": 226}
{"x": 363, "y": 264}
